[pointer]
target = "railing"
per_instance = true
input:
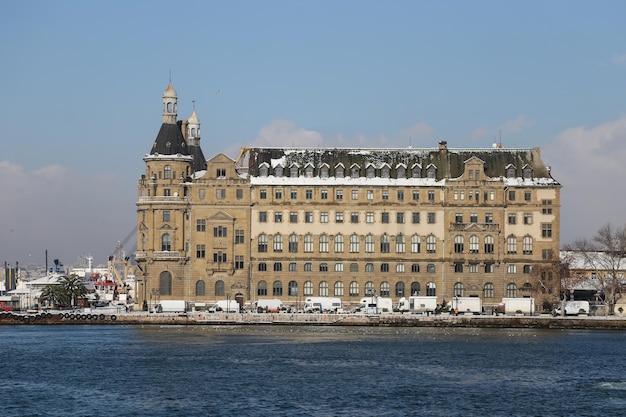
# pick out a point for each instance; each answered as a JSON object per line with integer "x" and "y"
{"x": 485, "y": 227}
{"x": 163, "y": 198}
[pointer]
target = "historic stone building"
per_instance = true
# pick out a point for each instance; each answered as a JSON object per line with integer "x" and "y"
{"x": 295, "y": 222}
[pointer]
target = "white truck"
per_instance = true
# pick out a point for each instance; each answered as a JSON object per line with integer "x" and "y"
{"x": 225, "y": 306}
{"x": 418, "y": 304}
{"x": 573, "y": 308}
{"x": 270, "y": 305}
{"x": 467, "y": 305}
{"x": 171, "y": 306}
{"x": 376, "y": 305}
{"x": 525, "y": 305}
{"x": 323, "y": 305}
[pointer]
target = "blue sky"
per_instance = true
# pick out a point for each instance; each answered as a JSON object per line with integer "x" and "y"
{"x": 82, "y": 86}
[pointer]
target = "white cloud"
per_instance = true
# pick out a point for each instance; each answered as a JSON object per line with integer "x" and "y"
{"x": 515, "y": 125}
{"x": 589, "y": 163}
{"x": 419, "y": 135}
{"x": 283, "y": 133}
{"x": 619, "y": 58}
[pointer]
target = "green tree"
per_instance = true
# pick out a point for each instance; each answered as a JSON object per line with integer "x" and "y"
{"x": 74, "y": 287}
{"x": 53, "y": 294}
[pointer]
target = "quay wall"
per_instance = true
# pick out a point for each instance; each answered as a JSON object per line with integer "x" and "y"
{"x": 383, "y": 320}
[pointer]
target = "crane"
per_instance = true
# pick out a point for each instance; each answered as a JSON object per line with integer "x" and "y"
{"x": 121, "y": 268}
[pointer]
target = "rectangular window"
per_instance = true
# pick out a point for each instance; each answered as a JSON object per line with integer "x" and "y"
{"x": 293, "y": 217}
{"x": 431, "y": 196}
{"x": 220, "y": 193}
{"x": 431, "y": 218}
{"x": 293, "y": 267}
{"x": 339, "y": 267}
{"x": 166, "y": 215}
{"x": 262, "y": 216}
{"x": 219, "y": 257}
{"x": 400, "y": 218}
{"x": 492, "y": 195}
{"x": 263, "y": 194}
{"x": 324, "y": 217}
{"x": 293, "y": 194}
{"x": 384, "y": 218}
{"x": 546, "y": 230}
{"x": 416, "y": 195}
{"x": 278, "y": 194}
{"x": 308, "y": 267}
{"x": 546, "y": 254}
{"x": 354, "y": 217}
{"x": 239, "y": 237}
{"x": 400, "y": 195}
{"x": 220, "y": 231}
{"x": 308, "y": 217}
{"x": 528, "y": 218}
{"x": 489, "y": 268}
{"x": 278, "y": 217}
{"x": 278, "y": 266}
{"x": 512, "y": 218}
{"x": 527, "y": 195}
{"x": 355, "y": 194}
{"x": 369, "y": 217}
{"x": 385, "y": 195}
{"x": 415, "y": 217}
{"x": 511, "y": 269}
{"x": 488, "y": 217}
{"x": 399, "y": 268}
{"x": 324, "y": 194}
{"x": 339, "y": 194}
{"x": 511, "y": 195}
{"x": 200, "y": 251}
{"x": 239, "y": 262}
{"x": 309, "y": 194}
{"x": 370, "y": 195}
{"x": 458, "y": 218}
{"x": 220, "y": 173}
{"x": 547, "y": 207}
{"x": 202, "y": 193}
{"x": 239, "y": 193}
{"x": 473, "y": 217}
{"x": 339, "y": 217}
{"x": 200, "y": 225}
{"x": 473, "y": 268}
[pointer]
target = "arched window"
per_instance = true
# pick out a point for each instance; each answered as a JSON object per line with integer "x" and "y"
{"x": 489, "y": 244}
{"x": 431, "y": 244}
{"x": 511, "y": 290}
{"x": 369, "y": 267}
{"x": 527, "y": 244}
{"x": 200, "y": 287}
{"x": 458, "y": 289}
{"x": 165, "y": 283}
{"x": 308, "y": 243}
{"x": 474, "y": 243}
{"x": 324, "y": 243}
{"x": 219, "y": 288}
{"x": 511, "y": 244}
{"x": 262, "y": 242}
{"x": 293, "y": 288}
{"x": 354, "y": 289}
{"x": 384, "y": 289}
{"x": 458, "y": 244}
{"x": 323, "y": 289}
{"x": 399, "y": 289}
{"x": 293, "y": 243}
{"x": 354, "y": 243}
{"x": 338, "y": 289}
{"x": 277, "y": 289}
{"x": 400, "y": 244}
{"x": 262, "y": 288}
{"x": 278, "y": 242}
{"x": 369, "y": 243}
{"x": 415, "y": 288}
{"x": 416, "y": 245}
{"x": 308, "y": 288}
{"x": 339, "y": 243}
{"x": 384, "y": 243}
{"x": 415, "y": 268}
{"x": 166, "y": 242}
{"x": 369, "y": 288}
{"x": 488, "y": 290}
{"x": 431, "y": 289}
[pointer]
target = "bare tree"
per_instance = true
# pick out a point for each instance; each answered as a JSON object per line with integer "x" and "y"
{"x": 605, "y": 255}
{"x": 550, "y": 279}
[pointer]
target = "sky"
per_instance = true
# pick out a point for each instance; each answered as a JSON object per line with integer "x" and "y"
{"x": 83, "y": 81}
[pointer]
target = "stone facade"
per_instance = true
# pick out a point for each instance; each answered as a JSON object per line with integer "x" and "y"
{"x": 295, "y": 222}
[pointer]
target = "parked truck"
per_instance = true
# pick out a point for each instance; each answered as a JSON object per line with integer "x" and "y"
{"x": 323, "y": 305}
{"x": 467, "y": 305}
{"x": 270, "y": 305}
{"x": 376, "y": 305}
{"x": 525, "y": 305}
{"x": 573, "y": 308}
{"x": 225, "y": 306}
{"x": 418, "y": 304}
{"x": 171, "y": 306}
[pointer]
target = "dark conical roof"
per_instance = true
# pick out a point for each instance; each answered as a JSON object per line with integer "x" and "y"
{"x": 170, "y": 141}
{"x": 199, "y": 161}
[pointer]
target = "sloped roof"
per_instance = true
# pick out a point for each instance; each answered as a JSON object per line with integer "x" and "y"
{"x": 170, "y": 141}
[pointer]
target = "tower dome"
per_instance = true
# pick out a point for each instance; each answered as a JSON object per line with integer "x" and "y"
{"x": 170, "y": 105}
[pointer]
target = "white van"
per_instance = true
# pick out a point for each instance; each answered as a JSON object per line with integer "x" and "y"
{"x": 573, "y": 308}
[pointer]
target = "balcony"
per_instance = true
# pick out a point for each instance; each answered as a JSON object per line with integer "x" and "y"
{"x": 483, "y": 227}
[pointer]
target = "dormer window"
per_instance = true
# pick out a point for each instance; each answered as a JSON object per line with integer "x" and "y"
{"x": 416, "y": 171}
{"x": 384, "y": 171}
{"x": 293, "y": 171}
{"x": 355, "y": 171}
{"x": 324, "y": 171}
{"x": 400, "y": 172}
{"x": 431, "y": 172}
{"x": 308, "y": 171}
{"x": 510, "y": 171}
{"x": 278, "y": 171}
{"x": 263, "y": 170}
{"x": 527, "y": 172}
{"x": 339, "y": 171}
{"x": 220, "y": 173}
{"x": 370, "y": 172}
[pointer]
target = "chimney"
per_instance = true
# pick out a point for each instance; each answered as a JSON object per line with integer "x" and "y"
{"x": 443, "y": 146}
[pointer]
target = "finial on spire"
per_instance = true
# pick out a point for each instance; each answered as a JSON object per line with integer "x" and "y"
{"x": 193, "y": 105}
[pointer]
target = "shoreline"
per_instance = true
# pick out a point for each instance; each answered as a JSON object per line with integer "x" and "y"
{"x": 299, "y": 319}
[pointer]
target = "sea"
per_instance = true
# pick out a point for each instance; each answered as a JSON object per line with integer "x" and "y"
{"x": 96, "y": 370}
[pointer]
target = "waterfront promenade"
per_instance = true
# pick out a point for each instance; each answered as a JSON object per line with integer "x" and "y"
{"x": 299, "y": 319}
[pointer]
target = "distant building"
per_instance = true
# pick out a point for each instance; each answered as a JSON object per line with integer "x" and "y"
{"x": 295, "y": 222}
